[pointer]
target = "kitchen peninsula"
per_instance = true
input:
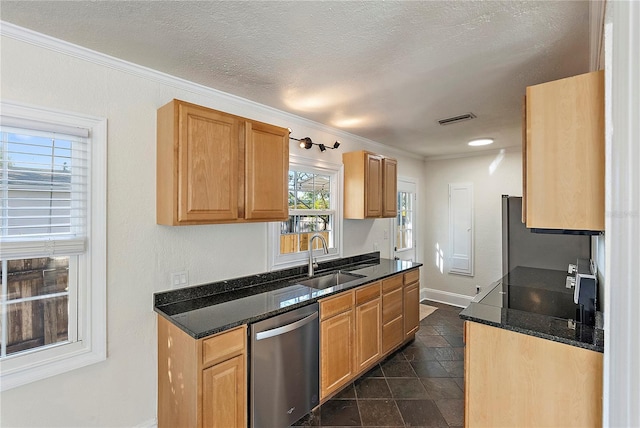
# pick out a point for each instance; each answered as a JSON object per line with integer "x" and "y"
{"x": 527, "y": 363}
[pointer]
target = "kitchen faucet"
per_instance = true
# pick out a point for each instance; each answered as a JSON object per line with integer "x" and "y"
{"x": 312, "y": 262}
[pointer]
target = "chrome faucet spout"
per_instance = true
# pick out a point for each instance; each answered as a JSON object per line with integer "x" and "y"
{"x": 312, "y": 263}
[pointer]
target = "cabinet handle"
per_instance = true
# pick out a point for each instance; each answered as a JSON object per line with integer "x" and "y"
{"x": 286, "y": 328}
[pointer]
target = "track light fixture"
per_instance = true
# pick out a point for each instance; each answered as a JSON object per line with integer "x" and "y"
{"x": 306, "y": 143}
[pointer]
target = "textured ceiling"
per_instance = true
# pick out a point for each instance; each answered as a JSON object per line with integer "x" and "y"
{"x": 386, "y": 71}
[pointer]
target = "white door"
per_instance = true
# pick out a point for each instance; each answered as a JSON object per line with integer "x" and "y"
{"x": 461, "y": 228}
{"x": 405, "y": 222}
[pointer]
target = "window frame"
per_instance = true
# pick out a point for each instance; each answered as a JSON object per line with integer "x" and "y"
{"x": 281, "y": 261}
{"x": 91, "y": 344}
{"x": 398, "y": 225}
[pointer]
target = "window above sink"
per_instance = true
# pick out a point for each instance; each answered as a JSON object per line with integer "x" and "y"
{"x": 314, "y": 194}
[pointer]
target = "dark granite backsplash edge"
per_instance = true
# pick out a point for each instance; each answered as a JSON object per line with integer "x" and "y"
{"x": 204, "y": 290}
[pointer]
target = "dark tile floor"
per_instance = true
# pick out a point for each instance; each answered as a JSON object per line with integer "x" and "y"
{"x": 420, "y": 385}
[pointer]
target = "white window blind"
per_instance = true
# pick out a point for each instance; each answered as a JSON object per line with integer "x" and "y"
{"x": 44, "y": 189}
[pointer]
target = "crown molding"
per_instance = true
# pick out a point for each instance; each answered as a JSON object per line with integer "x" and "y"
{"x": 47, "y": 42}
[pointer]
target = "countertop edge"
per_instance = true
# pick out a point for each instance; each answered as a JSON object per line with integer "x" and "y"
{"x": 535, "y": 333}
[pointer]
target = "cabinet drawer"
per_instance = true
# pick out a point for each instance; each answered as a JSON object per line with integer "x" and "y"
{"x": 412, "y": 276}
{"x": 370, "y": 292}
{"x": 335, "y": 305}
{"x": 391, "y": 305}
{"x": 223, "y": 346}
{"x": 392, "y": 283}
{"x": 392, "y": 334}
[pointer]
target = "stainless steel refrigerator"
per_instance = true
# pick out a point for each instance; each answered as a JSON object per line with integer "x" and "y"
{"x": 522, "y": 247}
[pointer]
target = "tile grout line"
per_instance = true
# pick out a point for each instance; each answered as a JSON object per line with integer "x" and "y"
{"x": 355, "y": 393}
{"x": 395, "y": 403}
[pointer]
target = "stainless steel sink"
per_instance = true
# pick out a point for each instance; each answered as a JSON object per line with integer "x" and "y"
{"x": 330, "y": 280}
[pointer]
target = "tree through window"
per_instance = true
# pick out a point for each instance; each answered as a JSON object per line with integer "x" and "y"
{"x": 311, "y": 210}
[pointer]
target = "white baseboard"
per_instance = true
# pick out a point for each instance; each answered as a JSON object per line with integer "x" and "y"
{"x": 445, "y": 297}
{"x": 151, "y": 423}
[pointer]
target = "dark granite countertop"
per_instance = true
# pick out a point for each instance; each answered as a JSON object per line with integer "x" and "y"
{"x": 534, "y": 302}
{"x": 207, "y": 309}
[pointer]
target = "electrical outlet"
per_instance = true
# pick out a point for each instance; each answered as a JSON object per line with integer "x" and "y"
{"x": 375, "y": 246}
{"x": 386, "y": 234}
{"x": 180, "y": 279}
{"x": 477, "y": 289}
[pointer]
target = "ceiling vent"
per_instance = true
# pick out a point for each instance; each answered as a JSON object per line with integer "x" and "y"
{"x": 456, "y": 119}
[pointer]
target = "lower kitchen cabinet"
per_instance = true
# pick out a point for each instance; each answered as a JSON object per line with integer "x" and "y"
{"x": 201, "y": 382}
{"x": 222, "y": 405}
{"x": 411, "y": 293}
{"x": 392, "y": 313}
{"x": 336, "y": 342}
{"x": 359, "y": 327}
{"x": 368, "y": 336}
{"x": 513, "y": 379}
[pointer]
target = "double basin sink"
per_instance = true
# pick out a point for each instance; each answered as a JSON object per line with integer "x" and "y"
{"x": 331, "y": 280}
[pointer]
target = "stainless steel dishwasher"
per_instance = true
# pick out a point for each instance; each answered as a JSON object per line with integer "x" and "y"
{"x": 284, "y": 368}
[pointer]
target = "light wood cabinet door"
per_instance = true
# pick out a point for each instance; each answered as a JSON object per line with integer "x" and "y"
{"x": 197, "y": 165}
{"x": 411, "y": 308}
{"x": 370, "y": 185}
{"x": 336, "y": 352}
{"x": 565, "y": 153}
{"x": 223, "y": 394}
{"x": 266, "y": 172}
{"x": 374, "y": 182}
{"x": 368, "y": 333}
{"x": 390, "y": 188}
{"x": 517, "y": 380}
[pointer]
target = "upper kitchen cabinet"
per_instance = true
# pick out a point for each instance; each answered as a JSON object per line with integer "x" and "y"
{"x": 266, "y": 172}
{"x": 370, "y": 185}
{"x": 564, "y": 154}
{"x": 389, "y": 188}
{"x": 214, "y": 167}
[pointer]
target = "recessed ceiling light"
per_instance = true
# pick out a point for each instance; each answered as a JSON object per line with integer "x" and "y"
{"x": 481, "y": 142}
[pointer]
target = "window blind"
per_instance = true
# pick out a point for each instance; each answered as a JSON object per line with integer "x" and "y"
{"x": 44, "y": 190}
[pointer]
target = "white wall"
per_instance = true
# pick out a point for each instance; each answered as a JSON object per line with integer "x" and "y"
{"x": 121, "y": 392}
{"x": 488, "y": 186}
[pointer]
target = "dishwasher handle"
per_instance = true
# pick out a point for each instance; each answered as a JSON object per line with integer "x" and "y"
{"x": 286, "y": 328}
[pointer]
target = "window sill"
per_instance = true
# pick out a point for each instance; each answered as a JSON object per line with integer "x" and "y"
{"x": 40, "y": 364}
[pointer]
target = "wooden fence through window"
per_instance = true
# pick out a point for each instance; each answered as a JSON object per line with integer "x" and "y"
{"x": 41, "y": 321}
